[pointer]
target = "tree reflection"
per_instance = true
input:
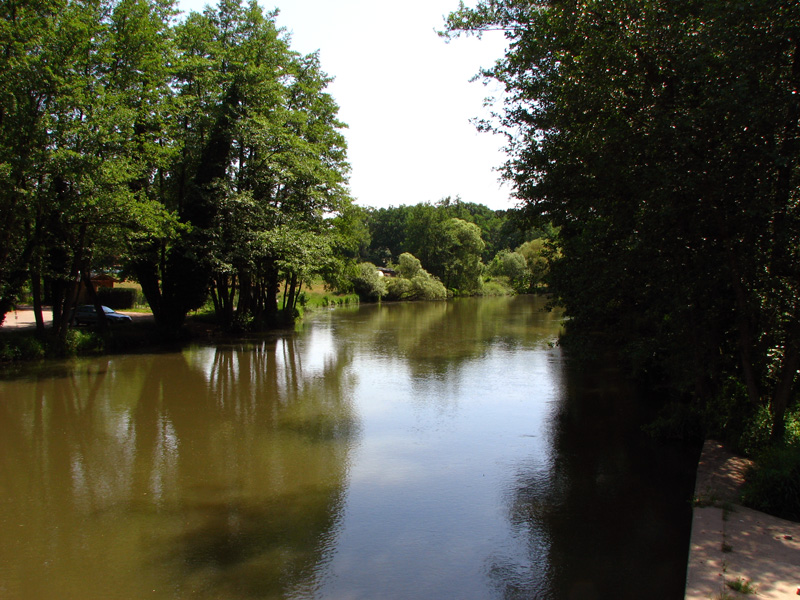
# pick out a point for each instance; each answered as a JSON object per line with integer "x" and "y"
{"x": 216, "y": 472}
{"x": 441, "y": 337}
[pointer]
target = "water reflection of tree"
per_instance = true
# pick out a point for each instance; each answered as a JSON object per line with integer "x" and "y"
{"x": 222, "y": 469}
{"x": 440, "y": 337}
{"x": 609, "y": 516}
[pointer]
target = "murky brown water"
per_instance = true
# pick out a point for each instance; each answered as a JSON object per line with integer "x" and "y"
{"x": 430, "y": 450}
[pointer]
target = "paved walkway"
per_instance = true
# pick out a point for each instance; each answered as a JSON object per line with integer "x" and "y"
{"x": 23, "y": 317}
{"x": 731, "y": 543}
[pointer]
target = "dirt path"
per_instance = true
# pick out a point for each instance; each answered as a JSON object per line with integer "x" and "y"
{"x": 731, "y": 543}
{"x": 23, "y": 317}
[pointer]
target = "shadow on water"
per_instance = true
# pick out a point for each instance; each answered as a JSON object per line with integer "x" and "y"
{"x": 255, "y": 550}
{"x": 611, "y": 516}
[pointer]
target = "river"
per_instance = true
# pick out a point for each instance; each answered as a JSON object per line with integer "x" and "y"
{"x": 403, "y": 451}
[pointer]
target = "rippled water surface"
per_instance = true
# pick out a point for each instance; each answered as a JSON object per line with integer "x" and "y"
{"x": 409, "y": 451}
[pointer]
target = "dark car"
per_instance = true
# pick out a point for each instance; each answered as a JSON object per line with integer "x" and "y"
{"x": 86, "y": 315}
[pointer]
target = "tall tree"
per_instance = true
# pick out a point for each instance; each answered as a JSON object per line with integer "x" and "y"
{"x": 260, "y": 153}
{"x": 27, "y": 32}
{"x": 661, "y": 138}
{"x": 461, "y": 248}
{"x": 83, "y": 87}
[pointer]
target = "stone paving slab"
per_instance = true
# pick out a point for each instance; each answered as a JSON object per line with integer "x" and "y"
{"x": 732, "y": 543}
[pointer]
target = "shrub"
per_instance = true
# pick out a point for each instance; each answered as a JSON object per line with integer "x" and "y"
{"x": 497, "y": 286}
{"x": 757, "y": 431}
{"x": 368, "y": 284}
{"x": 21, "y": 347}
{"x": 422, "y": 286}
{"x": 398, "y": 288}
{"x": 678, "y": 421}
{"x": 772, "y": 485}
{"x": 30, "y": 348}
{"x": 242, "y": 322}
{"x": 793, "y": 426}
{"x": 8, "y": 351}
{"x": 408, "y": 265}
{"x": 74, "y": 343}
{"x": 513, "y": 267}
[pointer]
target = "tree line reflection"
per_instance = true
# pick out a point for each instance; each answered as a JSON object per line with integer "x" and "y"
{"x": 215, "y": 472}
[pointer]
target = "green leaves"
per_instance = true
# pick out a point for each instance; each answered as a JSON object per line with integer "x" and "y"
{"x": 185, "y": 148}
{"x": 659, "y": 137}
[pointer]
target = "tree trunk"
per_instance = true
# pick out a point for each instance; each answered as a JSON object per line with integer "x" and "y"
{"x": 297, "y": 295}
{"x": 147, "y": 274}
{"x": 273, "y": 287}
{"x": 73, "y": 288}
{"x": 288, "y": 305}
{"x": 102, "y": 322}
{"x": 746, "y": 337}
{"x": 36, "y": 291}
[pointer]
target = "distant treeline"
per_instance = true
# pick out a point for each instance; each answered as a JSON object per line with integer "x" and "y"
{"x": 461, "y": 244}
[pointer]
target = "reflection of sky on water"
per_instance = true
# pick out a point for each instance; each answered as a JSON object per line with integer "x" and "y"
{"x": 318, "y": 350}
{"x": 432, "y": 479}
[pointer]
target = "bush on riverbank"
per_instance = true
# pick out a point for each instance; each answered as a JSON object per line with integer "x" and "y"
{"x": 411, "y": 282}
{"x": 27, "y": 345}
{"x": 311, "y": 299}
{"x": 497, "y": 286}
{"x": 19, "y": 346}
{"x": 730, "y": 418}
{"x": 24, "y": 345}
{"x": 772, "y": 485}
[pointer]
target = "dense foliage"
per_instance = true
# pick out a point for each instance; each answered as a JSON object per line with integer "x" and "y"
{"x": 661, "y": 138}
{"x": 456, "y": 240}
{"x": 201, "y": 154}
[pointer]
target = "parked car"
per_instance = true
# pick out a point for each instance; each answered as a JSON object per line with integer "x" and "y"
{"x": 87, "y": 315}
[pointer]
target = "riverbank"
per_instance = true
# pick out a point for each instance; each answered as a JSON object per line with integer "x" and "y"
{"x": 19, "y": 343}
{"x": 735, "y": 547}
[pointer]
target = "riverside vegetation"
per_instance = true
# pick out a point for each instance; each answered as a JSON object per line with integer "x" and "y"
{"x": 662, "y": 140}
{"x": 653, "y": 147}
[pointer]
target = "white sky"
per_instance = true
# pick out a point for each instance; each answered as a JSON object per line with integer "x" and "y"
{"x": 405, "y": 94}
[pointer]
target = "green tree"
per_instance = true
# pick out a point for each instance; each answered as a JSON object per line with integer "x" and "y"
{"x": 661, "y": 138}
{"x": 424, "y": 235}
{"x": 368, "y": 282}
{"x": 261, "y": 162}
{"x": 387, "y": 227}
{"x": 350, "y": 240}
{"x": 513, "y": 266}
{"x": 408, "y": 265}
{"x": 86, "y": 141}
{"x": 461, "y": 248}
{"x": 27, "y": 81}
{"x": 187, "y": 151}
{"x": 538, "y": 255}
{"x": 414, "y": 282}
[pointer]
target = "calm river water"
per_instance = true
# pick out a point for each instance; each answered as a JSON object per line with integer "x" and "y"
{"x": 408, "y": 451}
